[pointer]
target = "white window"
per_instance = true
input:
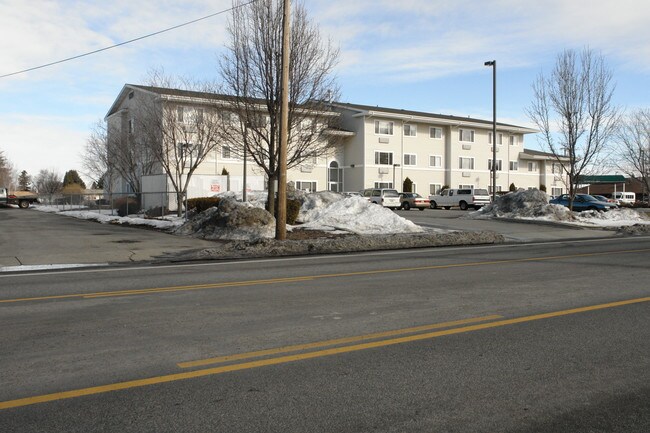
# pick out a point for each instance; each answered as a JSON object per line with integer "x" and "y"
{"x": 306, "y": 185}
{"x": 410, "y": 130}
{"x": 499, "y": 165}
{"x": 532, "y": 166}
{"x": 499, "y": 138}
{"x": 225, "y": 152}
{"x": 383, "y": 184}
{"x": 466, "y": 163}
{"x": 435, "y": 132}
{"x": 435, "y": 161}
{"x": 465, "y": 186}
{"x": 556, "y": 168}
{"x": 383, "y": 127}
{"x": 410, "y": 159}
{"x": 514, "y": 140}
{"x": 498, "y": 188}
{"x": 556, "y": 191}
{"x": 514, "y": 165}
{"x": 466, "y": 135}
{"x": 179, "y": 114}
{"x": 434, "y": 188}
{"x": 384, "y": 158}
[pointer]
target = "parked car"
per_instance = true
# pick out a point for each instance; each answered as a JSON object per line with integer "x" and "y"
{"x": 386, "y": 197}
{"x": 603, "y": 198}
{"x": 583, "y": 202}
{"x": 463, "y": 198}
{"x": 413, "y": 200}
{"x": 351, "y": 193}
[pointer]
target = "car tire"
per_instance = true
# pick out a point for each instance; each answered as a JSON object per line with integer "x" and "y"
{"x": 433, "y": 205}
{"x": 23, "y": 204}
{"x": 406, "y": 206}
{"x": 463, "y": 205}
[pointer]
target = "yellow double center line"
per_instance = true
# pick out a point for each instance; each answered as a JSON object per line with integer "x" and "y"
{"x": 309, "y": 355}
{"x": 309, "y": 277}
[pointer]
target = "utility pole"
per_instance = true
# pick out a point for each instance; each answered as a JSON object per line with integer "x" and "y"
{"x": 281, "y": 220}
{"x": 493, "y": 63}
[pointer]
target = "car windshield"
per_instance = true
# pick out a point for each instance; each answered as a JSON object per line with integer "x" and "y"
{"x": 391, "y": 193}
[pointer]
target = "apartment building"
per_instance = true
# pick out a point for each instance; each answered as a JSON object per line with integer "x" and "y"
{"x": 378, "y": 147}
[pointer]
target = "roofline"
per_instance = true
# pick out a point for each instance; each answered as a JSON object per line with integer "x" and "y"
{"x": 423, "y": 117}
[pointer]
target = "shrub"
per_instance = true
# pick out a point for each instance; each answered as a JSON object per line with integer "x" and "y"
{"x": 126, "y": 206}
{"x": 408, "y": 185}
{"x": 293, "y": 208}
{"x": 156, "y": 212}
{"x": 512, "y": 188}
{"x": 542, "y": 187}
{"x": 202, "y": 203}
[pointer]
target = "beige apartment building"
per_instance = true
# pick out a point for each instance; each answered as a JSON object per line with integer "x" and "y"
{"x": 378, "y": 147}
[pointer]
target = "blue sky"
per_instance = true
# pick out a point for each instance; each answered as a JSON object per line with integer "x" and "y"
{"x": 423, "y": 55}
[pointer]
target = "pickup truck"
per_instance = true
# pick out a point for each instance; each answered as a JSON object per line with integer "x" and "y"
{"x": 462, "y": 198}
{"x": 21, "y": 198}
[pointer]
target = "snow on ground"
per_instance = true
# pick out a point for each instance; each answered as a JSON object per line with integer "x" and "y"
{"x": 533, "y": 205}
{"x": 168, "y": 223}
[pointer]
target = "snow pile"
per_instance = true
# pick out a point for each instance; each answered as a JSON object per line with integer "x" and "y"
{"x": 331, "y": 211}
{"x": 534, "y": 205}
{"x": 230, "y": 220}
{"x": 168, "y": 223}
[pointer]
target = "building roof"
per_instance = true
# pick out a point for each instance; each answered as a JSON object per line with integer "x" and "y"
{"x": 421, "y": 116}
{"x": 612, "y": 178}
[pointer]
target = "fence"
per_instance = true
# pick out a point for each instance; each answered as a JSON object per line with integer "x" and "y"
{"x": 152, "y": 204}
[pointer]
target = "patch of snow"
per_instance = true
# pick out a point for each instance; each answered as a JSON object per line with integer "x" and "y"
{"x": 22, "y": 268}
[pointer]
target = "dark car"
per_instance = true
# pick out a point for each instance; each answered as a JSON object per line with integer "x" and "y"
{"x": 583, "y": 202}
{"x": 413, "y": 200}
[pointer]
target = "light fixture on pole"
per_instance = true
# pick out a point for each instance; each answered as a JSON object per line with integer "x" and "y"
{"x": 493, "y": 63}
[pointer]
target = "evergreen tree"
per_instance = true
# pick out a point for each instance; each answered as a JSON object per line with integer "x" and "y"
{"x": 72, "y": 177}
{"x": 24, "y": 181}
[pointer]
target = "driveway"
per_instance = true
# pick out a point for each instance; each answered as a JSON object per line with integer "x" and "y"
{"x": 30, "y": 237}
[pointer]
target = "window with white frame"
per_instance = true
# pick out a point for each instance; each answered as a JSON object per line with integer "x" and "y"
{"x": 498, "y": 166}
{"x": 466, "y": 163}
{"x": 466, "y": 135}
{"x": 556, "y": 168}
{"x": 306, "y": 185}
{"x": 514, "y": 140}
{"x": 532, "y": 166}
{"x": 131, "y": 125}
{"x": 555, "y": 191}
{"x": 498, "y": 189}
{"x": 499, "y": 138}
{"x": 410, "y": 130}
{"x": 384, "y": 158}
{"x": 383, "y": 184}
{"x": 383, "y": 127}
{"x": 514, "y": 165}
{"x": 434, "y": 188}
{"x": 435, "y": 132}
{"x": 179, "y": 114}
{"x": 465, "y": 186}
{"x": 410, "y": 159}
{"x": 435, "y": 161}
{"x": 226, "y": 152}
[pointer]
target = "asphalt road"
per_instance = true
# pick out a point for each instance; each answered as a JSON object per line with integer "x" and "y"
{"x": 542, "y": 337}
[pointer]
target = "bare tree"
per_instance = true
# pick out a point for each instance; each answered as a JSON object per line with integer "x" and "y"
{"x": 48, "y": 183}
{"x": 633, "y": 139}
{"x": 178, "y": 134}
{"x": 574, "y": 111}
{"x": 95, "y": 157}
{"x": 7, "y": 174}
{"x": 251, "y": 73}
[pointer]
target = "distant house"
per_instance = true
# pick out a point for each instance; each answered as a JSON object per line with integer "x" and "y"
{"x": 380, "y": 148}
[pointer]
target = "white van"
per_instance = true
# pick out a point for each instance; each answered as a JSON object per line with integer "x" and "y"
{"x": 624, "y": 198}
{"x": 386, "y": 197}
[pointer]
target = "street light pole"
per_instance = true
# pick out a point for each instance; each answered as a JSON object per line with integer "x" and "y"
{"x": 493, "y": 63}
{"x": 281, "y": 220}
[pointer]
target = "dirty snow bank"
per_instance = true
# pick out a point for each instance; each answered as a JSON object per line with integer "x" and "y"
{"x": 534, "y": 205}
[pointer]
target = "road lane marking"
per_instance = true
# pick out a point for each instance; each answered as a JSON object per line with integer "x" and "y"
{"x": 303, "y": 356}
{"x": 335, "y": 342}
{"x": 313, "y": 277}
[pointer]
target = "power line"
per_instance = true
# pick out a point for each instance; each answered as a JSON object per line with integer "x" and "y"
{"x": 126, "y": 42}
